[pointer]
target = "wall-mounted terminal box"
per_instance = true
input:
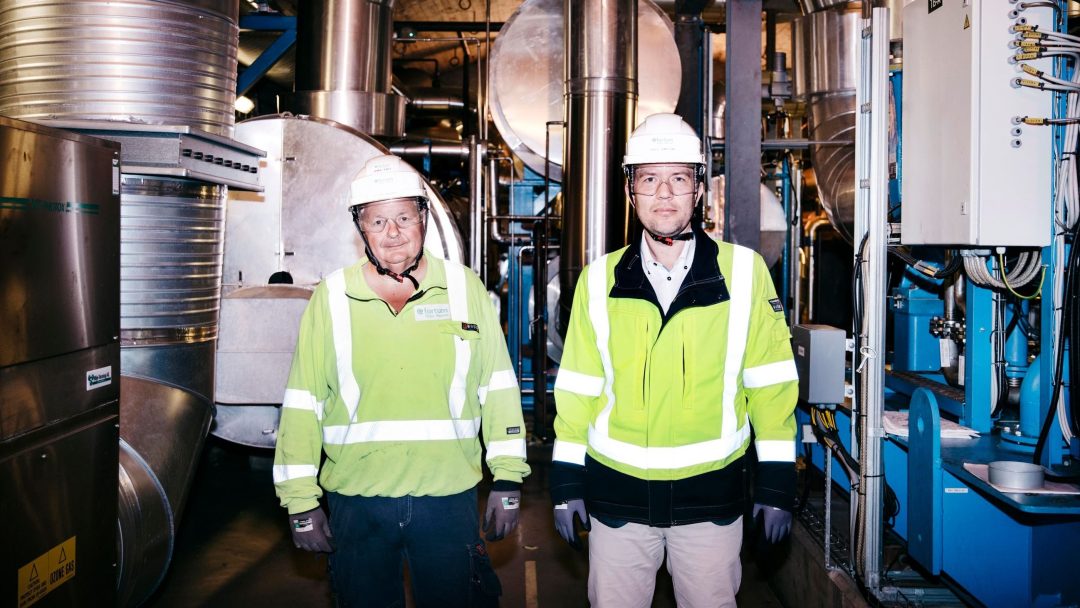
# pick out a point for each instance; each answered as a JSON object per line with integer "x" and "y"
{"x": 820, "y": 357}
{"x": 971, "y": 176}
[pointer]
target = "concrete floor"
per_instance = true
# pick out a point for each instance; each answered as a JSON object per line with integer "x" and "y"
{"x": 232, "y": 547}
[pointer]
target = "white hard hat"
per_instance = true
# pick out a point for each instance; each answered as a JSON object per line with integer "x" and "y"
{"x": 663, "y": 138}
{"x": 386, "y": 178}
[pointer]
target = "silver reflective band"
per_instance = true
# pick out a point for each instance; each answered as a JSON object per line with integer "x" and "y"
{"x": 676, "y": 457}
{"x": 572, "y": 453}
{"x": 401, "y": 430}
{"x": 582, "y": 384}
{"x": 769, "y": 374}
{"x": 459, "y": 311}
{"x": 341, "y": 321}
{"x": 285, "y": 472}
{"x": 740, "y": 286}
{"x": 775, "y": 451}
{"x": 506, "y": 447}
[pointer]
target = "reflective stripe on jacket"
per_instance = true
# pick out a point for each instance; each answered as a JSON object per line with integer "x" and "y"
{"x": 398, "y": 402}
{"x": 670, "y": 399}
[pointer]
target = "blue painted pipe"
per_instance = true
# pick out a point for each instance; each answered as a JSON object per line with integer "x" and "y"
{"x": 1029, "y": 399}
{"x": 1016, "y": 353}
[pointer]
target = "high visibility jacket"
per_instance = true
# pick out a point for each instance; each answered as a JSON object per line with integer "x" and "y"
{"x": 654, "y": 410}
{"x": 397, "y": 402}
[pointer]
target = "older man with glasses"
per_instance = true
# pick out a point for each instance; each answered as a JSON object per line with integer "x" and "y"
{"x": 400, "y": 366}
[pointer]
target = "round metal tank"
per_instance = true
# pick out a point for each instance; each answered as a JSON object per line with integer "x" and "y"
{"x": 527, "y": 76}
{"x": 298, "y": 225}
{"x": 170, "y": 260}
{"x": 142, "y": 61}
{"x": 826, "y": 52}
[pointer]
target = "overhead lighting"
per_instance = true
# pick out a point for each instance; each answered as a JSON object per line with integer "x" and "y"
{"x": 244, "y": 105}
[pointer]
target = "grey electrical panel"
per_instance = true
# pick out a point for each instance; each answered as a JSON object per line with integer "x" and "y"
{"x": 819, "y": 357}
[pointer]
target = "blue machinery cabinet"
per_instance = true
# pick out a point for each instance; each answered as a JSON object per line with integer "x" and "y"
{"x": 1005, "y": 549}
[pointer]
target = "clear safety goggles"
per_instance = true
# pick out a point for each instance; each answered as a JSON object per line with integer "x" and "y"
{"x": 679, "y": 184}
{"x": 378, "y": 224}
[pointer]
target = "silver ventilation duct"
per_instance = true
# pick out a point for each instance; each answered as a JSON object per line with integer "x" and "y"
{"x": 139, "y": 61}
{"x": 826, "y": 50}
{"x": 158, "y": 77}
{"x": 601, "y": 97}
{"x": 343, "y": 65}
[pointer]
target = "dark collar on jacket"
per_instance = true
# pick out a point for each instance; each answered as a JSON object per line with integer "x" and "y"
{"x": 703, "y": 285}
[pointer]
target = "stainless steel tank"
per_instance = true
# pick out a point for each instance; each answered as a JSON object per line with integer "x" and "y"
{"x": 527, "y": 76}
{"x": 300, "y": 225}
{"x": 142, "y": 61}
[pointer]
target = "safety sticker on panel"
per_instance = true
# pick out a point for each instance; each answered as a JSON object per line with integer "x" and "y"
{"x": 50, "y": 570}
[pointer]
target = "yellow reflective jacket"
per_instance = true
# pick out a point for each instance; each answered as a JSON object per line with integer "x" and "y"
{"x": 398, "y": 402}
{"x": 655, "y": 410}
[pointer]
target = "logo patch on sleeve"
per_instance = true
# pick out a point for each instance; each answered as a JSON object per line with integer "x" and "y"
{"x": 776, "y": 305}
{"x": 513, "y": 430}
{"x": 470, "y": 327}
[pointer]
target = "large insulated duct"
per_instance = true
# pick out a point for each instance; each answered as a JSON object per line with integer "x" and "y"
{"x": 343, "y": 65}
{"x": 601, "y": 98}
{"x": 148, "y": 73}
{"x": 826, "y": 50}
{"x": 142, "y": 61}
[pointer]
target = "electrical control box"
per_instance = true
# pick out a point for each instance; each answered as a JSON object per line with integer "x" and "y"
{"x": 971, "y": 175}
{"x": 820, "y": 356}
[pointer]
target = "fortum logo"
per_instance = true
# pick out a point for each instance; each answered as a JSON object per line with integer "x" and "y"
{"x": 97, "y": 378}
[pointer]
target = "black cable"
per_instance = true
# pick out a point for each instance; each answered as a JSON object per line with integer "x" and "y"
{"x": 1059, "y": 361}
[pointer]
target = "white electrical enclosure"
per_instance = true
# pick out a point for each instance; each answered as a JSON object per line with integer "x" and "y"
{"x": 971, "y": 177}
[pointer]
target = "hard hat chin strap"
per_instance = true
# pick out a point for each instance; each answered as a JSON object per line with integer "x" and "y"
{"x": 670, "y": 240}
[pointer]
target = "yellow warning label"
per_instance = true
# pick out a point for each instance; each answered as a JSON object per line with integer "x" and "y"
{"x": 967, "y": 22}
{"x": 50, "y": 570}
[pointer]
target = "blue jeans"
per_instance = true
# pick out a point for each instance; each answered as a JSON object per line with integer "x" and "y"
{"x": 437, "y": 535}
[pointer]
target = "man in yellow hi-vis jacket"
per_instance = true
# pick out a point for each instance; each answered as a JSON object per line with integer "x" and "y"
{"x": 677, "y": 347}
{"x": 400, "y": 367}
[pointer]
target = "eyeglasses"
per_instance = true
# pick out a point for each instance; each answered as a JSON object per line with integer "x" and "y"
{"x": 680, "y": 184}
{"x": 378, "y": 224}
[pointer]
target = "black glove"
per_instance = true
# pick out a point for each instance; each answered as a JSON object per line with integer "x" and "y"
{"x": 776, "y": 522}
{"x": 311, "y": 531}
{"x": 564, "y": 520}
{"x": 501, "y": 514}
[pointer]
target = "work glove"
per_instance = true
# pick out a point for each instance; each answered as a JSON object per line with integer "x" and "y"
{"x": 776, "y": 523}
{"x": 501, "y": 514}
{"x": 311, "y": 531}
{"x": 564, "y": 520}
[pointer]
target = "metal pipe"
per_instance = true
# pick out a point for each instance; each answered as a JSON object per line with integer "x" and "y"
{"x": 810, "y": 280}
{"x": 795, "y": 244}
{"x": 343, "y": 65}
{"x": 518, "y": 292}
{"x": 437, "y": 102}
{"x": 601, "y": 94}
{"x": 431, "y": 148}
{"x": 344, "y": 45}
{"x": 539, "y": 329}
{"x": 477, "y": 151}
{"x": 871, "y": 146}
{"x": 495, "y": 234}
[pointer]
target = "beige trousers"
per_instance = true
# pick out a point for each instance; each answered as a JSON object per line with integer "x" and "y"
{"x": 703, "y": 560}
